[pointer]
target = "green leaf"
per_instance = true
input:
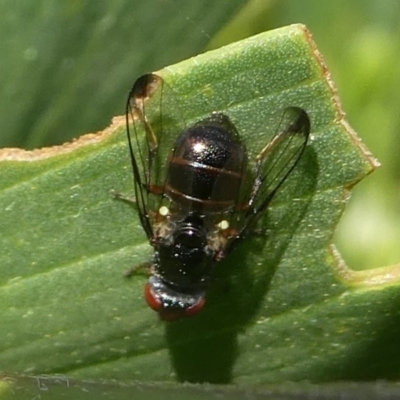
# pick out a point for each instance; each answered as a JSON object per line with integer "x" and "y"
{"x": 48, "y": 388}
{"x": 282, "y": 307}
{"x": 67, "y": 71}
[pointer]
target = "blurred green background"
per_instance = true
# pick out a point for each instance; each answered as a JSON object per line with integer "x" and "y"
{"x": 66, "y": 67}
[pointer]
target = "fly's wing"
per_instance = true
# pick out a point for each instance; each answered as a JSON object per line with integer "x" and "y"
{"x": 276, "y": 162}
{"x": 152, "y": 123}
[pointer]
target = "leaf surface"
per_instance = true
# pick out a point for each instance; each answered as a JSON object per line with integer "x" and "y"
{"x": 67, "y": 71}
{"x": 282, "y": 307}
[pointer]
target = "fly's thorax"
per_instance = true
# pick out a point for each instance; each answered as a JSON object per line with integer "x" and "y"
{"x": 184, "y": 258}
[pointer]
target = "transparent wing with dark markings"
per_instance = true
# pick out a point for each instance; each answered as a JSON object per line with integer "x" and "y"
{"x": 277, "y": 160}
{"x": 153, "y": 121}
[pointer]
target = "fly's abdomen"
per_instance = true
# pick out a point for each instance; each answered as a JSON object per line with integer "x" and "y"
{"x": 206, "y": 168}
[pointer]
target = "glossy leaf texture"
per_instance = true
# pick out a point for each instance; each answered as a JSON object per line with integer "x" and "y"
{"x": 282, "y": 307}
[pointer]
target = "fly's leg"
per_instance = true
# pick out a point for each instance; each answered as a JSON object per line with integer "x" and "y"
{"x": 153, "y": 189}
{"x": 145, "y": 269}
{"x": 123, "y": 197}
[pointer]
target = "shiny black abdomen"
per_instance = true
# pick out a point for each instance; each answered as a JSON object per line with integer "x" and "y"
{"x": 207, "y": 166}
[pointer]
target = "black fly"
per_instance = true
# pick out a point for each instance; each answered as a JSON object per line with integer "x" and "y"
{"x": 193, "y": 193}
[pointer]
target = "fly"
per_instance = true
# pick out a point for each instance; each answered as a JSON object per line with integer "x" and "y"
{"x": 197, "y": 196}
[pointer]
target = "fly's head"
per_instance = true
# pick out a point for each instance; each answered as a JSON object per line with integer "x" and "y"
{"x": 182, "y": 266}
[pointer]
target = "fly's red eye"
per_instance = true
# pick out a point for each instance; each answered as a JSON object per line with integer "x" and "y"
{"x": 152, "y": 300}
{"x": 195, "y": 309}
{"x": 171, "y": 312}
